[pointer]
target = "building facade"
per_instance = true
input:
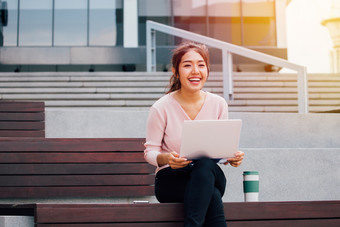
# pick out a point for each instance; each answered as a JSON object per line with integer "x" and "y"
{"x": 110, "y": 35}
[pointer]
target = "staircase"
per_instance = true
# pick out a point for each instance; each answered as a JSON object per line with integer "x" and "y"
{"x": 253, "y": 92}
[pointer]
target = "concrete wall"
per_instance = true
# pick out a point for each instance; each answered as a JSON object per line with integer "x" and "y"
{"x": 259, "y": 130}
{"x": 297, "y": 155}
{"x": 16, "y": 221}
{"x": 288, "y": 174}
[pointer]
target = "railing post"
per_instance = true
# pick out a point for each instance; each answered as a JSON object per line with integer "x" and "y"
{"x": 227, "y": 64}
{"x": 150, "y": 48}
{"x": 302, "y": 85}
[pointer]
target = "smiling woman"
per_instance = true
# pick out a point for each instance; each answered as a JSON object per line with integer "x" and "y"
{"x": 200, "y": 184}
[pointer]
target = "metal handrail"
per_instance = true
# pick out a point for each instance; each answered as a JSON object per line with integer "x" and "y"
{"x": 227, "y": 50}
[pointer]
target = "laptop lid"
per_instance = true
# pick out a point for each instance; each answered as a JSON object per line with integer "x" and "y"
{"x": 215, "y": 139}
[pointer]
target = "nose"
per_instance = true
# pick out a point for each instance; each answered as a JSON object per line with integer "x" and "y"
{"x": 195, "y": 69}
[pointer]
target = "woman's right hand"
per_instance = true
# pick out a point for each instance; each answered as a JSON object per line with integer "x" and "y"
{"x": 177, "y": 162}
{"x": 173, "y": 160}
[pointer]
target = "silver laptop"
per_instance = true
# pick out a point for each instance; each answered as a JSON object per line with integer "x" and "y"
{"x": 216, "y": 139}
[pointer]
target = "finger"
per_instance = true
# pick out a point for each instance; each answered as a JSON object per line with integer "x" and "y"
{"x": 173, "y": 158}
{"x": 175, "y": 162}
{"x": 235, "y": 164}
{"x": 175, "y": 154}
{"x": 180, "y": 160}
{"x": 179, "y": 165}
{"x": 239, "y": 154}
{"x": 235, "y": 159}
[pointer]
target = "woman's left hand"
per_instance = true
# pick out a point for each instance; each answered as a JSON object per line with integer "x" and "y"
{"x": 237, "y": 160}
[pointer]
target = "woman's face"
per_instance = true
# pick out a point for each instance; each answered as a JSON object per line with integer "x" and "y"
{"x": 193, "y": 71}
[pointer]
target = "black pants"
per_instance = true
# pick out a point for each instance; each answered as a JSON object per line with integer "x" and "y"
{"x": 200, "y": 186}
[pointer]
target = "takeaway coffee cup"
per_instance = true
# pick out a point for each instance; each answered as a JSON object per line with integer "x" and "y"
{"x": 251, "y": 186}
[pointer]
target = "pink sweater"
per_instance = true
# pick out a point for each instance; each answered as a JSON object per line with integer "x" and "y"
{"x": 164, "y": 125}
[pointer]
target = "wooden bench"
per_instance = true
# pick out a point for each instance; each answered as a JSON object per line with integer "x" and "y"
{"x": 259, "y": 214}
{"x": 238, "y": 214}
{"x": 59, "y": 168}
{"x": 22, "y": 119}
{"x": 73, "y": 168}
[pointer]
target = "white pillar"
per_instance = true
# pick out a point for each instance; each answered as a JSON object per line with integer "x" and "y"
{"x": 281, "y": 32}
{"x": 333, "y": 25}
{"x": 130, "y": 26}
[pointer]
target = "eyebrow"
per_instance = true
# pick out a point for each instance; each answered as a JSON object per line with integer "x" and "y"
{"x": 192, "y": 61}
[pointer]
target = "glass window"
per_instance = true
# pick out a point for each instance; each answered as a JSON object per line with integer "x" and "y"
{"x": 35, "y": 27}
{"x": 10, "y": 31}
{"x": 225, "y": 20}
{"x": 191, "y": 15}
{"x": 103, "y": 22}
{"x": 259, "y": 22}
{"x": 70, "y": 27}
{"x": 155, "y": 10}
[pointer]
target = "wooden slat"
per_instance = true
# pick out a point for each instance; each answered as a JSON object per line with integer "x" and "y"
{"x": 22, "y": 119}
{"x": 39, "y": 116}
{"x": 76, "y": 192}
{"x": 109, "y": 213}
{"x": 71, "y": 145}
{"x": 258, "y": 211}
{"x": 287, "y": 223}
{"x": 157, "y": 224}
{"x": 100, "y": 168}
{"x": 7, "y": 125}
{"x": 22, "y": 106}
{"x": 292, "y": 210}
{"x": 19, "y": 133}
{"x": 76, "y": 180}
{"x": 96, "y": 157}
{"x": 44, "y": 168}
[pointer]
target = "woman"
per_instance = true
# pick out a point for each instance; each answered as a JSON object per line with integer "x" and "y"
{"x": 199, "y": 185}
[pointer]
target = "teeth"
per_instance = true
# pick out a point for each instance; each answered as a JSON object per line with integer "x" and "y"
{"x": 194, "y": 79}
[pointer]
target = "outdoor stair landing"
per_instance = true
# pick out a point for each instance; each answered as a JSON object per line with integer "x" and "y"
{"x": 253, "y": 92}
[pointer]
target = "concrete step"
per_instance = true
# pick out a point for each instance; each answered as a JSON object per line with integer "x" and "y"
{"x": 159, "y": 76}
{"x": 119, "y": 105}
{"x": 136, "y": 78}
{"x": 121, "y": 77}
{"x": 83, "y": 79}
{"x": 253, "y": 92}
{"x": 82, "y": 96}
{"x": 250, "y": 96}
{"x": 49, "y": 90}
{"x": 99, "y": 103}
{"x": 152, "y": 84}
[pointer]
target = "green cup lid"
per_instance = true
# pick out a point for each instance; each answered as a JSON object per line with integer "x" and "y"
{"x": 251, "y": 173}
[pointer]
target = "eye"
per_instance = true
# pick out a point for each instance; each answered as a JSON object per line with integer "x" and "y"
{"x": 186, "y": 65}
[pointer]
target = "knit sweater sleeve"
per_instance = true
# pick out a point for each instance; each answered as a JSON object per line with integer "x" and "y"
{"x": 155, "y": 128}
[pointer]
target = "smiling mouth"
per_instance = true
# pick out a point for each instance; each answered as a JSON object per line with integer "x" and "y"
{"x": 195, "y": 79}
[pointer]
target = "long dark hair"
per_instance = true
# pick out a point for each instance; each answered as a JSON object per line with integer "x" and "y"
{"x": 177, "y": 55}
